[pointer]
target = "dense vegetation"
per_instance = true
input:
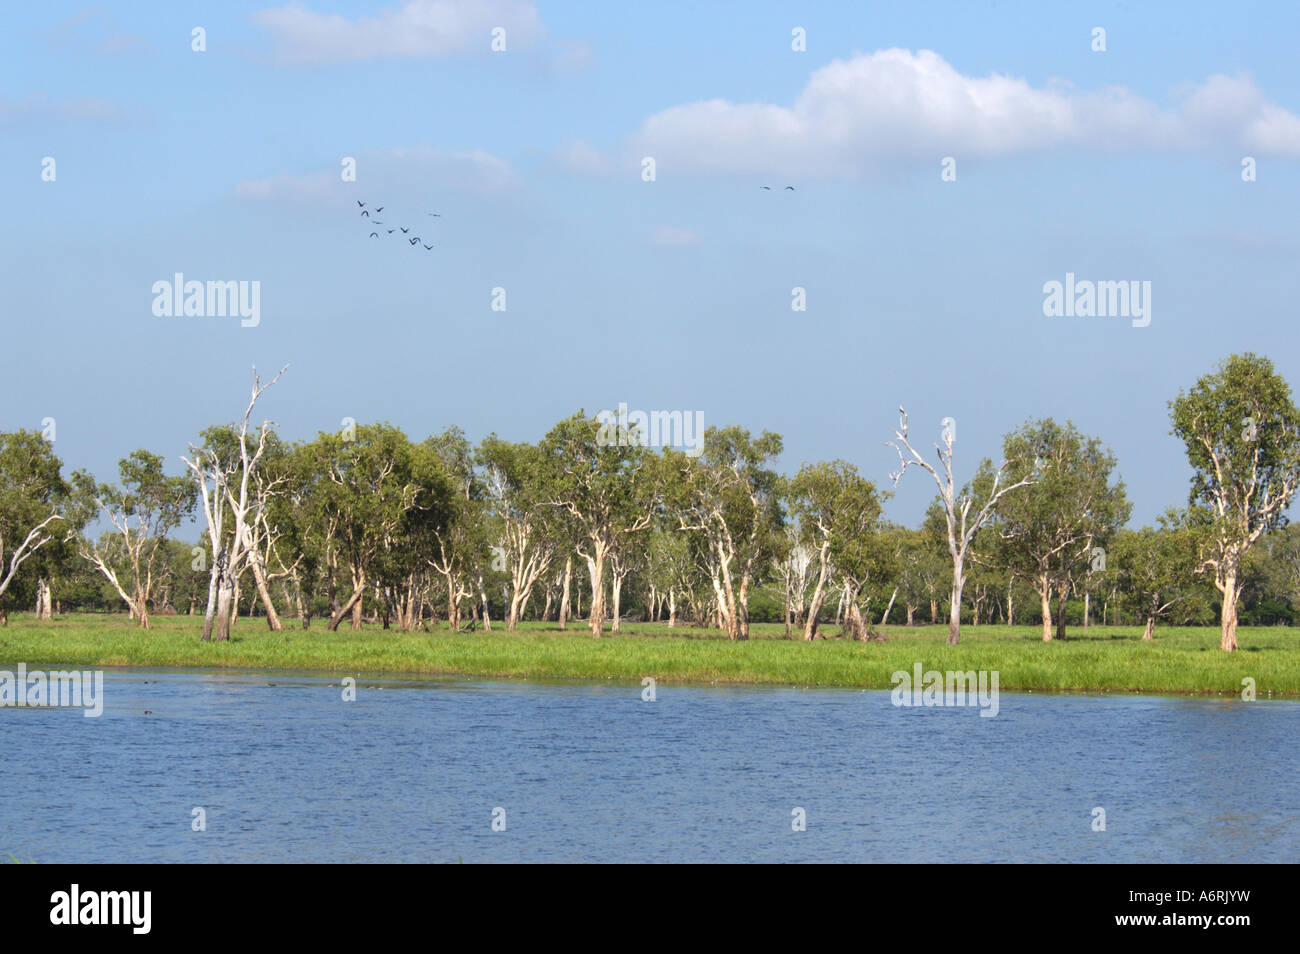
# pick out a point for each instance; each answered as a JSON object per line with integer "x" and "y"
{"x": 367, "y": 524}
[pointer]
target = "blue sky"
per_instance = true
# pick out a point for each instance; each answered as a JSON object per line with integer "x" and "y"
{"x": 671, "y": 294}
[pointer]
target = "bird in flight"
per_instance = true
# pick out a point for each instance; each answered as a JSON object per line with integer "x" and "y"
{"x": 426, "y": 246}
{"x": 374, "y": 235}
{"x": 360, "y": 203}
{"x": 415, "y": 240}
{"x": 391, "y": 231}
{"x": 365, "y": 213}
{"x": 404, "y": 229}
{"x": 380, "y": 209}
{"x": 768, "y": 188}
{"x": 790, "y": 188}
{"x": 436, "y": 215}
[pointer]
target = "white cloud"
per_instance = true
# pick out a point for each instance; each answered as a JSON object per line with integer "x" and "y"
{"x": 40, "y": 108}
{"x": 894, "y": 104}
{"x": 584, "y": 158}
{"x": 418, "y": 28}
{"x": 668, "y": 235}
{"x": 416, "y": 171}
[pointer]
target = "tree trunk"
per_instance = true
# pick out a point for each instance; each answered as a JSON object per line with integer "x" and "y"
{"x": 954, "y": 606}
{"x": 888, "y": 609}
{"x": 1150, "y": 630}
{"x": 1045, "y": 595}
{"x": 43, "y": 608}
{"x": 1228, "y": 615}
{"x": 596, "y": 570}
{"x": 259, "y": 577}
{"x": 564, "y": 596}
{"x": 1060, "y": 611}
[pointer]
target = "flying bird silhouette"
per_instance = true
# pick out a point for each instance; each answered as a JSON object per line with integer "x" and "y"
{"x": 374, "y": 235}
{"x": 360, "y": 203}
{"x": 426, "y": 246}
{"x": 380, "y": 209}
{"x": 768, "y": 188}
{"x": 391, "y": 231}
{"x": 415, "y": 241}
{"x": 436, "y": 215}
{"x": 404, "y": 230}
{"x": 365, "y": 213}
{"x": 791, "y": 188}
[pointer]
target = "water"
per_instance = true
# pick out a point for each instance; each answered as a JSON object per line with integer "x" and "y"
{"x": 412, "y": 772}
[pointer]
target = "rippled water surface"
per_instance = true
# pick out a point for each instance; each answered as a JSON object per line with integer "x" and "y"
{"x": 412, "y": 771}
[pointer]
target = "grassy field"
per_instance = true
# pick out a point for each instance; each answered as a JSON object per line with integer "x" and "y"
{"x": 1098, "y": 659}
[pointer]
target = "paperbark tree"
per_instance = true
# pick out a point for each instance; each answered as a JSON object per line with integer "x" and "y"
{"x": 610, "y": 488}
{"x": 1155, "y": 570}
{"x": 514, "y": 475}
{"x": 962, "y": 525}
{"x": 460, "y": 545}
{"x": 143, "y": 509}
{"x": 730, "y": 493}
{"x": 833, "y": 503}
{"x": 1047, "y": 533}
{"x": 1242, "y": 432}
{"x": 225, "y": 474}
{"x": 33, "y": 500}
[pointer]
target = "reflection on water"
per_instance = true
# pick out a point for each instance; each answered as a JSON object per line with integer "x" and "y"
{"x": 412, "y": 770}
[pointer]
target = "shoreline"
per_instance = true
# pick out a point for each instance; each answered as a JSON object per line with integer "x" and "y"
{"x": 1101, "y": 660}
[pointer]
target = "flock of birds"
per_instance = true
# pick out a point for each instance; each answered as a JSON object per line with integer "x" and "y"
{"x": 411, "y": 240}
{"x": 786, "y": 189}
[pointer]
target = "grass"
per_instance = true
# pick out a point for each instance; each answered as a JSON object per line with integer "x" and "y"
{"x": 1179, "y": 660}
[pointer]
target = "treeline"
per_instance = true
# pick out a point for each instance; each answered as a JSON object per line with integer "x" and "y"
{"x": 588, "y": 523}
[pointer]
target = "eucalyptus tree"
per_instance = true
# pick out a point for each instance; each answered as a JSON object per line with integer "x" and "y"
{"x": 144, "y": 507}
{"x": 461, "y": 545}
{"x": 516, "y": 483}
{"x": 1155, "y": 569}
{"x": 224, "y": 468}
{"x": 374, "y": 486}
{"x": 611, "y": 491}
{"x": 960, "y": 523}
{"x": 731, "y": 494}
{"x": 833, "y": 503}
{"x": 34, "y": 508}
{"x": 1049, "y": 531}
{"x": 1242, "y": 433}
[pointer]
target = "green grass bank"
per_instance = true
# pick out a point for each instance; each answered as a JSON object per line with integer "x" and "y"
{"x": 1114, "y": 659}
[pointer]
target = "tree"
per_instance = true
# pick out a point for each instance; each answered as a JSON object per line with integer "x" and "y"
{"x": 226, "y": 478}
{"x": 1156, "y": 569}
{"x": 961, "y": 524}
{"x": 461, "y": 544}
{"x": 1242, "y": 433}
{"x": 373, "y": 486}
{"x": 1049, "y": 530}
{"x": 836, "y": 509}
{"x": 514, "y": 476}
{"x": 33, "y": 495}
{"x": 730, "y": 494}
{"x": 144, "y": 507}
{"x": 611, "y": 489}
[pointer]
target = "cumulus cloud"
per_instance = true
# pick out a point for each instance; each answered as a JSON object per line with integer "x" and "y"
{"x": 668, "y": 235}
{"x": 872, "y": 109}
{"x": 417, "y": 28}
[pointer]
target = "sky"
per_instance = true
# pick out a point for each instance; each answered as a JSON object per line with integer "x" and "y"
{"x": 671, "y": 293}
